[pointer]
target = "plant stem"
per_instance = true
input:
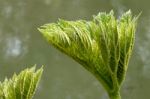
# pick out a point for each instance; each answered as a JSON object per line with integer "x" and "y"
{"x": 115, "y": 95}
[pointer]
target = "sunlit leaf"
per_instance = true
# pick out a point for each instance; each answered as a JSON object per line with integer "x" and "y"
{"x": 21, "y": 86}
{"x": 103, "y": 45}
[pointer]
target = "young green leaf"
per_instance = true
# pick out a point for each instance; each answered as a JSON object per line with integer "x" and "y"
{"x": 21, "y": 86}
{"x": 103, "y": 45}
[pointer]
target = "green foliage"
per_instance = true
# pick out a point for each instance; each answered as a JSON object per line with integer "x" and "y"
{"x": 21, "y": 86}
{"x": 103, "y": 45}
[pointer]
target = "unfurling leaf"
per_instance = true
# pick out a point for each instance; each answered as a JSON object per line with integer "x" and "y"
{"x": 21, "y": 86}
{"x": 103, "y": 45}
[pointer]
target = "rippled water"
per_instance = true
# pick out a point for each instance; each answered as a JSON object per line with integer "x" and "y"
{"x": 21, "y": 46}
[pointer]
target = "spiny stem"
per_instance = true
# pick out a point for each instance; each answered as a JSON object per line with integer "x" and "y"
{"x": 115, "y": 95}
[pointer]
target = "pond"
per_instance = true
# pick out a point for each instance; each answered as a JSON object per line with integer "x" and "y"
{"x": 22, "y": 46}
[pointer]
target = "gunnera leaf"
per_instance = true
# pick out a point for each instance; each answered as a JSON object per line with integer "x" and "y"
{"x": 103, "y": 45}
{"x": 21, "y": 86}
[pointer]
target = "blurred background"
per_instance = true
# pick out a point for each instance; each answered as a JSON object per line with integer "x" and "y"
{"x": 22, "y": 46}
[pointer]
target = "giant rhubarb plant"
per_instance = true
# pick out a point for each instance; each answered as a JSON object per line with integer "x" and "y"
{"x": 103, "y": 45}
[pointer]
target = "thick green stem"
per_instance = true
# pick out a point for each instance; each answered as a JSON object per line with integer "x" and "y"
{"x": 115, "y": 95}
